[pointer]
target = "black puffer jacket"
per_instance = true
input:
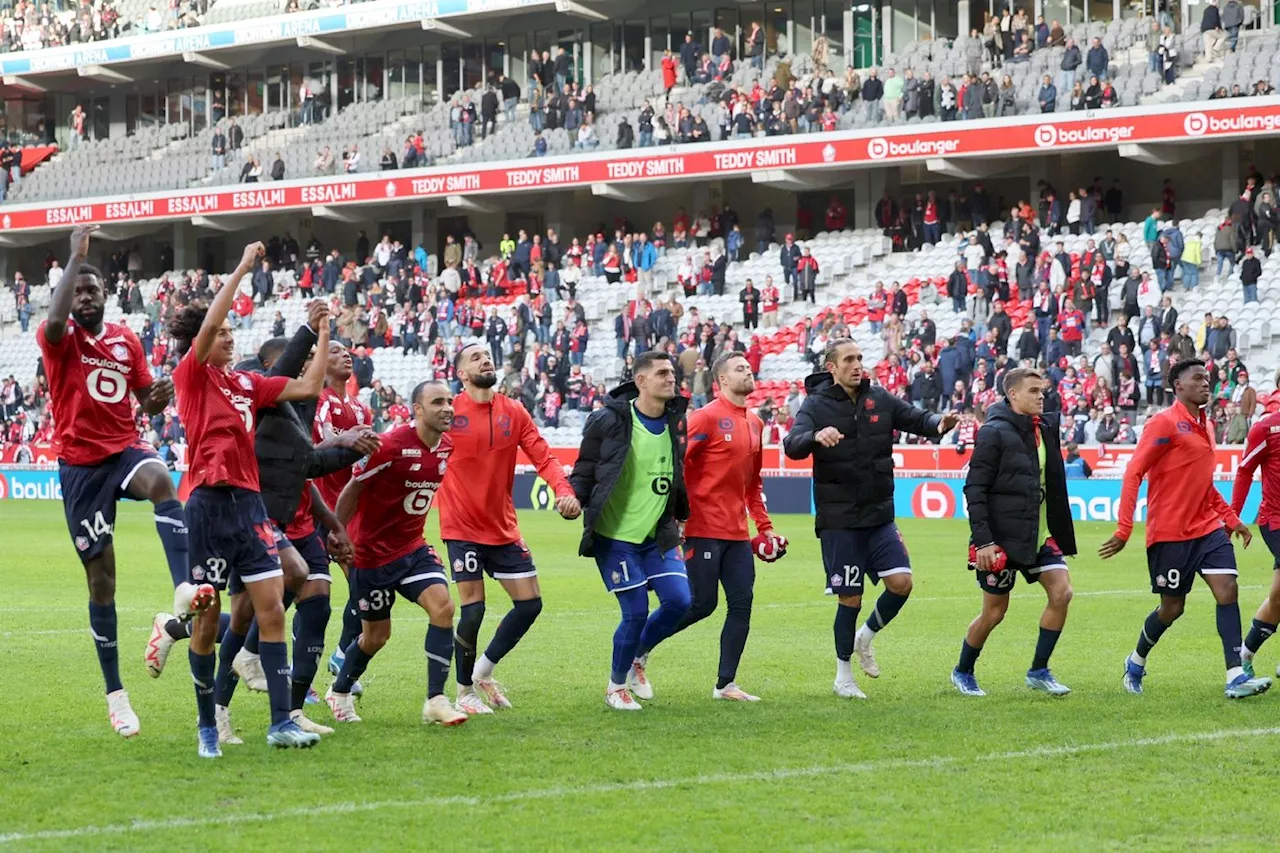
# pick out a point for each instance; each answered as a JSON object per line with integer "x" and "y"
{"x": 605, "y": 442}
{"x": 282, "y": 440}
{"x": 1003, "y": 487}
{"x": 853, "y": 481}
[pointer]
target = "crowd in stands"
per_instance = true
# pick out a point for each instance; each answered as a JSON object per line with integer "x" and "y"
{"x": 1023, "y": 300}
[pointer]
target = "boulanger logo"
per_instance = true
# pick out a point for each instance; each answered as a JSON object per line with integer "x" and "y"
{"x": 881, "y": 148}
{"x": 1048, "y": 135}
{"x": 1198, "y": 124}
{"x": 933, "y": 500}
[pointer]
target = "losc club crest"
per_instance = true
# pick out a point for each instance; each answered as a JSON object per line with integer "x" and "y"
{"x": 245, "y": 382}
{"x": 617, "y": 577}
{"x": 390, "y": 189}
{"x": 836, "y": 581}
{"x": 120, "y": 351}
{"x": 82, "y": 544}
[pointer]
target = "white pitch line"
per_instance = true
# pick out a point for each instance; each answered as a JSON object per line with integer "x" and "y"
{"x": 637, "y": 786}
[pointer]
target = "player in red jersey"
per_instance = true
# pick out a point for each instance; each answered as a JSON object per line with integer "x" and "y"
{"x": 1262, "y": 450}
{"x": 478, "y": 521}
{"x": 384, "y": 507}
{"x": 1185, "y": 533}
{"x": 232, "y": 539}
{"x": 337, "y": 413}
{"x": 722, "y": 471}
{"x": 92, "y": 367}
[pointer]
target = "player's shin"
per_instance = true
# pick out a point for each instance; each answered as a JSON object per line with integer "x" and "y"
{"x": 845, "y": 629}
{"x": 1259, "y": 633}
{"x": 355, "y": 661}
{"x": 202, "y": 675}
{"x": 171, "y": 525}
{"x": 1228, "y": 619}
{"x": 511, "y": 629}
{"x": 350, "y": 625}
{"x": 439, "y": 648}
{"x": 887, "y": 606}
{"x": 226, "y": 681}
{"x": 626, "y": 639}
{"x": 310, "y": 619}
{"x": 470, "y": 617}
{"x": 102, "y": 625}
{"x": 1152, "y": 630}
{"x": 733, "y": 636}
{"x": 275, "y": 664}
{"x": 673, "y": 603}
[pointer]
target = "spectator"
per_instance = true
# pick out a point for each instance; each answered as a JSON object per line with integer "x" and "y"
{"x": 219, "y": 148}
{"x": 1048, "y": 96}
{"x": 1098, "y": 61}
{"x": 1250, "y": 273}
{"x": 893, "y": 87}
{"x": 277, "y": 168}
{"x": 1069, "y": 68}
{"x": 1212, "y": 33}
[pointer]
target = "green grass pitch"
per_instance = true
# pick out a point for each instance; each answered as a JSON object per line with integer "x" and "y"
{"x": 915, "y": 767}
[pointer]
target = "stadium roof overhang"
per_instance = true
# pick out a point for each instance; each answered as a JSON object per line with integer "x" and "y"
{"x": 1161, "y": 135}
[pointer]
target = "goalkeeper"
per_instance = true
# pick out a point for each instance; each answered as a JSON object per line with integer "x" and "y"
{"x": 722, "y": 473}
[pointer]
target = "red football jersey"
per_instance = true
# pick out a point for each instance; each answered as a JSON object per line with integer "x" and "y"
{"x": 722, "y": 471}
{"x": 341, "y": 414}
{"x": 303, "y": 522}
{"x": 1261, "y": 450}
{"x": 475, "y": 503}
{"x": 217, "y": 409}
{"x": 90, "y": 378}
{"x": 401, "y": 480}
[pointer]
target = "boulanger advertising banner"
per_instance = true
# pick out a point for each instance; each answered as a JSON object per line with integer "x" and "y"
{"x": 914, "y": 497}
{"x": 1091, "y": 500}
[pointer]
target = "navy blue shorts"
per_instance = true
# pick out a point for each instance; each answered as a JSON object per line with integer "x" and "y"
{"x": 500, "y": 562}
{"x": 1001, "y": 582}
{"x": 231, "y": 539}
{"x": 374, "y": 590}
{"x": 849, "y": 556}
{"x": 625, "y": 565}
{"x": 1271, "y": 536}
{"x": 314, "y": 553}
{"x": 90, "y": 492}
{"x": 1174, "y": 565}
{"x": 716, "y": 558}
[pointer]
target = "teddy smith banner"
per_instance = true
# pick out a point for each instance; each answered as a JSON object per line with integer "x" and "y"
{"x": 1104, "y": 129}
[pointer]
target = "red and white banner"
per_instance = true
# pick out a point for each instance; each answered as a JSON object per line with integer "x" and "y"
{"x": 924, "y": 459}
{"x": 916, "y": 458}
{"x": 1025, "y": 136}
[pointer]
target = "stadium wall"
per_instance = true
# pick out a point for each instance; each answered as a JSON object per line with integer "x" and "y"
{"x": 915, "y": 497}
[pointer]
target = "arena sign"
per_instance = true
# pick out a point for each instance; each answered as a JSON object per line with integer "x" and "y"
{"x": 1026, "y": 136}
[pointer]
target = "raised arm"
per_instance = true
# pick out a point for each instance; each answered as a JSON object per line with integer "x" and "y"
{"x": 299, "y": 347}
{"x": 548, "y": 467}
{"x": 65, "y": 290}
{"x": 221, "y": 305}
{"x": 311, "y": 383}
